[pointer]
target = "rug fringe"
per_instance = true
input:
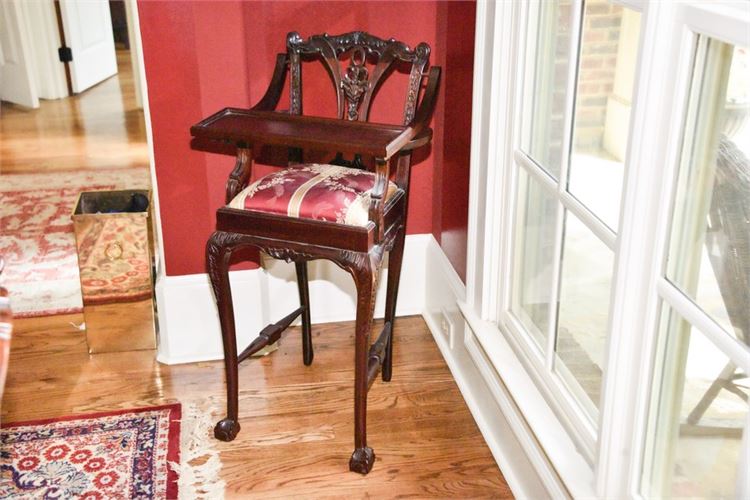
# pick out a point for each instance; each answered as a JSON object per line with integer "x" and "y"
{"x": 200, "y": 464}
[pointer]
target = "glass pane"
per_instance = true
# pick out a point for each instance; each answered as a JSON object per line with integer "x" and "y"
{"x": 700, "y": 410}
{"x": 534, "y": 255}
{"x": 709, "y": 257}
{"x": 604, "y": 101}
{"x": 584, "y": 310}
{"x": 546, "y": 77}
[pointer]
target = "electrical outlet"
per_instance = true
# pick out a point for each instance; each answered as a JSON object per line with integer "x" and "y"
{"x": 447, "y": 326}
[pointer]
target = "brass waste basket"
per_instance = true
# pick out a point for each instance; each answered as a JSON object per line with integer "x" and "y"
{"x": 114, "y": 261}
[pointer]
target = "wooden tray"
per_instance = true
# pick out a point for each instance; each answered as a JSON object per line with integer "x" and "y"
{"x": 247, "y": 127}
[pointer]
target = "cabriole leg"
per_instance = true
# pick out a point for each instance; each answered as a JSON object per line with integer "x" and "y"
{"x": 363, "y": 456}
{"x": 217, "y": 256}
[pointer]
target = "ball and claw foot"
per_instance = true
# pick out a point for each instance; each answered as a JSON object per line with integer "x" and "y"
{"x": 226, "y": 430}
{"x": 362, "y": 460}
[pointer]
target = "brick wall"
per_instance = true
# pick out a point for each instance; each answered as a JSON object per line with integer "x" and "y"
{"x": 601, "y": 33}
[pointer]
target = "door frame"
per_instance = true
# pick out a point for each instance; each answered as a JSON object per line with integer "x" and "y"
{"x": 136, "y": 47}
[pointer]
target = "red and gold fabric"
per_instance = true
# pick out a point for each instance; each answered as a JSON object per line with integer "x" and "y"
{"x": 322, "y": 192}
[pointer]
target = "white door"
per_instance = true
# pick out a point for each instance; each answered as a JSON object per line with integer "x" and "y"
{"x": 88, "y": 32}
{"x": 16, "y": 76}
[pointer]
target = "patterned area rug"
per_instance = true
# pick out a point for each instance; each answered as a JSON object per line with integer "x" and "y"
{"x": 37, "y": 239}
{"x": 157, "y": 452}
{"x": 121, "y": 454}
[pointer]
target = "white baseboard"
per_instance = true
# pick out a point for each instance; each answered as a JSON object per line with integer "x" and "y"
{"x": 506, "y": 434}
{"x": 189, "y": 324}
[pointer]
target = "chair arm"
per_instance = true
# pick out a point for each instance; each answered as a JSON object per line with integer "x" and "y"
{"x": 275, "y": 88}
{"x": 240, "y": 175}
{"x": 417, "y": 134}
{"x": 421, "y": 139}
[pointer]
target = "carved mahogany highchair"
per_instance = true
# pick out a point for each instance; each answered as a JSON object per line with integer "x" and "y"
{"x": 350, "y": 211}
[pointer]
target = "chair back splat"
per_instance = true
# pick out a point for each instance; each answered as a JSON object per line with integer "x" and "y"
{"x": 356, "y": 87}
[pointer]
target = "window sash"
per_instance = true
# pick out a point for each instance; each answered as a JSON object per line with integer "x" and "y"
{"x": 576, "y": 411}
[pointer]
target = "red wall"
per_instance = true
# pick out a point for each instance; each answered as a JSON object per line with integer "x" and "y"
{"x": 451, "y": 181}
{"x": 202, "y": 56}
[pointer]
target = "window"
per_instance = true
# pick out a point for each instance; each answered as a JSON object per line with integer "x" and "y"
{"x": 580, "y": 65}
{"x": 611, "y": 208}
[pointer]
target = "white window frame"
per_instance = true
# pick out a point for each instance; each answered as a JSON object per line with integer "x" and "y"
{"x": 668, "y": 29}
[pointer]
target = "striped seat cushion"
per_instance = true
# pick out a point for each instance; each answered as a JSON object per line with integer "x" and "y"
{"x": 312, "y": 191}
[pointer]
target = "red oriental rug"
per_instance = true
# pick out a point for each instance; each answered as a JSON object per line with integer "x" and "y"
{"x": 37, "y": 239}
{"x": 115, "y": 455}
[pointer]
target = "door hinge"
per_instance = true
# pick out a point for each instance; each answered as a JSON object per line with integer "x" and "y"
{"x": 65, "y": 54}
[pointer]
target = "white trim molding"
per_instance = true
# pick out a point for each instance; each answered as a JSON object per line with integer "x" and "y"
{"x": 136, "y": 47}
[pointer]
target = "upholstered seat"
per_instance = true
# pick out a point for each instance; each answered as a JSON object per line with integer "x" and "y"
{"x": 311, "y": 191}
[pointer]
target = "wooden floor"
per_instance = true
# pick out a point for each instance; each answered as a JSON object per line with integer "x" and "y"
{"x": 297, "y": 427}
{"x": 99, "y": 128}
